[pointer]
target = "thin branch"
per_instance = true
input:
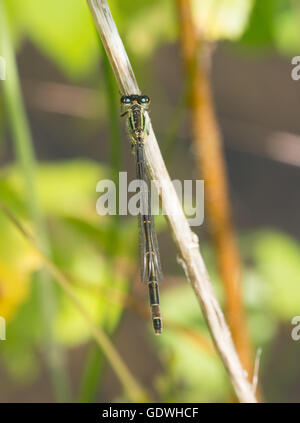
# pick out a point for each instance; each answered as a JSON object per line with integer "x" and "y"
{"x": 130, "y": 384}
{"x": 256, "y": 370}
{"x": 186, "y": 241}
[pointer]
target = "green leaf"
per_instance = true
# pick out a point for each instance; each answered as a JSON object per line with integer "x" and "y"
{"x": 221, "y": 19}
{"x": 23, "y": 336}
{"x": 260, "y": 317}
{"x": 261, "y": 26}
{"x": 288, "y": 34}
{"x": 277, "y": 259}
{"x": 94, "y": 275}
{"x": 274, "y": 23}
{"x": 146, "y": 24}
{"x": 64, "y": 188}
{"x": 63, "y": 30}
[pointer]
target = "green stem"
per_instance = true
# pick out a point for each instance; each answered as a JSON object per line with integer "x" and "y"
{"x": 89, "y": 383}
{"x": 23, "y": 146}
{"x": 168, "y": 144}
{"x": 113, "y": 108}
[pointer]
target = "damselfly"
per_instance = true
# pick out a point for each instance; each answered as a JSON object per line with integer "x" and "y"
{"x": 134, "y": 106}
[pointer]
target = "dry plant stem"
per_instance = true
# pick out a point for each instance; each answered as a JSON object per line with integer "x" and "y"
{"x": 131, "y": 386}
{"x": 185, "y": 239}
{"x": 211, "y": 166}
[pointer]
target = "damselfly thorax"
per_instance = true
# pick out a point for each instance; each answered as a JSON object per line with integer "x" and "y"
{"x": 134, "y": 106}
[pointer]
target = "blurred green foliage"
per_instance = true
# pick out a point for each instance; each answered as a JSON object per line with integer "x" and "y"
{"x": 271, "y": 296}
{"x": 64, "y": 31}
{"x": 82, "y": 241}
{"x": 274, "y": 23}
{"x": 221, "y": 19}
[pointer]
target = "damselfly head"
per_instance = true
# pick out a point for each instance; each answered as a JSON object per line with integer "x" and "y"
{"x": 127, "y": 100}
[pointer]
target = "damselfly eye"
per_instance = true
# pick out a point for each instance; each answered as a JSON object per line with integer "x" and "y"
{"x": 125, "y": 99}
{"x": 144, "y": 99}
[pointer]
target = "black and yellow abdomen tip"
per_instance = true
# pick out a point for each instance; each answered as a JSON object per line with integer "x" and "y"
{"x": 155, "y": 308}
{"x": 157, "y": 325}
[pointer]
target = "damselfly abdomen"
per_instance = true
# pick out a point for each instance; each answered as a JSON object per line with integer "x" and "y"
{"x": 134, "y": 107}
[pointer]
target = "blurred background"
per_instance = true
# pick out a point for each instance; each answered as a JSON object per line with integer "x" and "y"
{"x": 60, "y": 133}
